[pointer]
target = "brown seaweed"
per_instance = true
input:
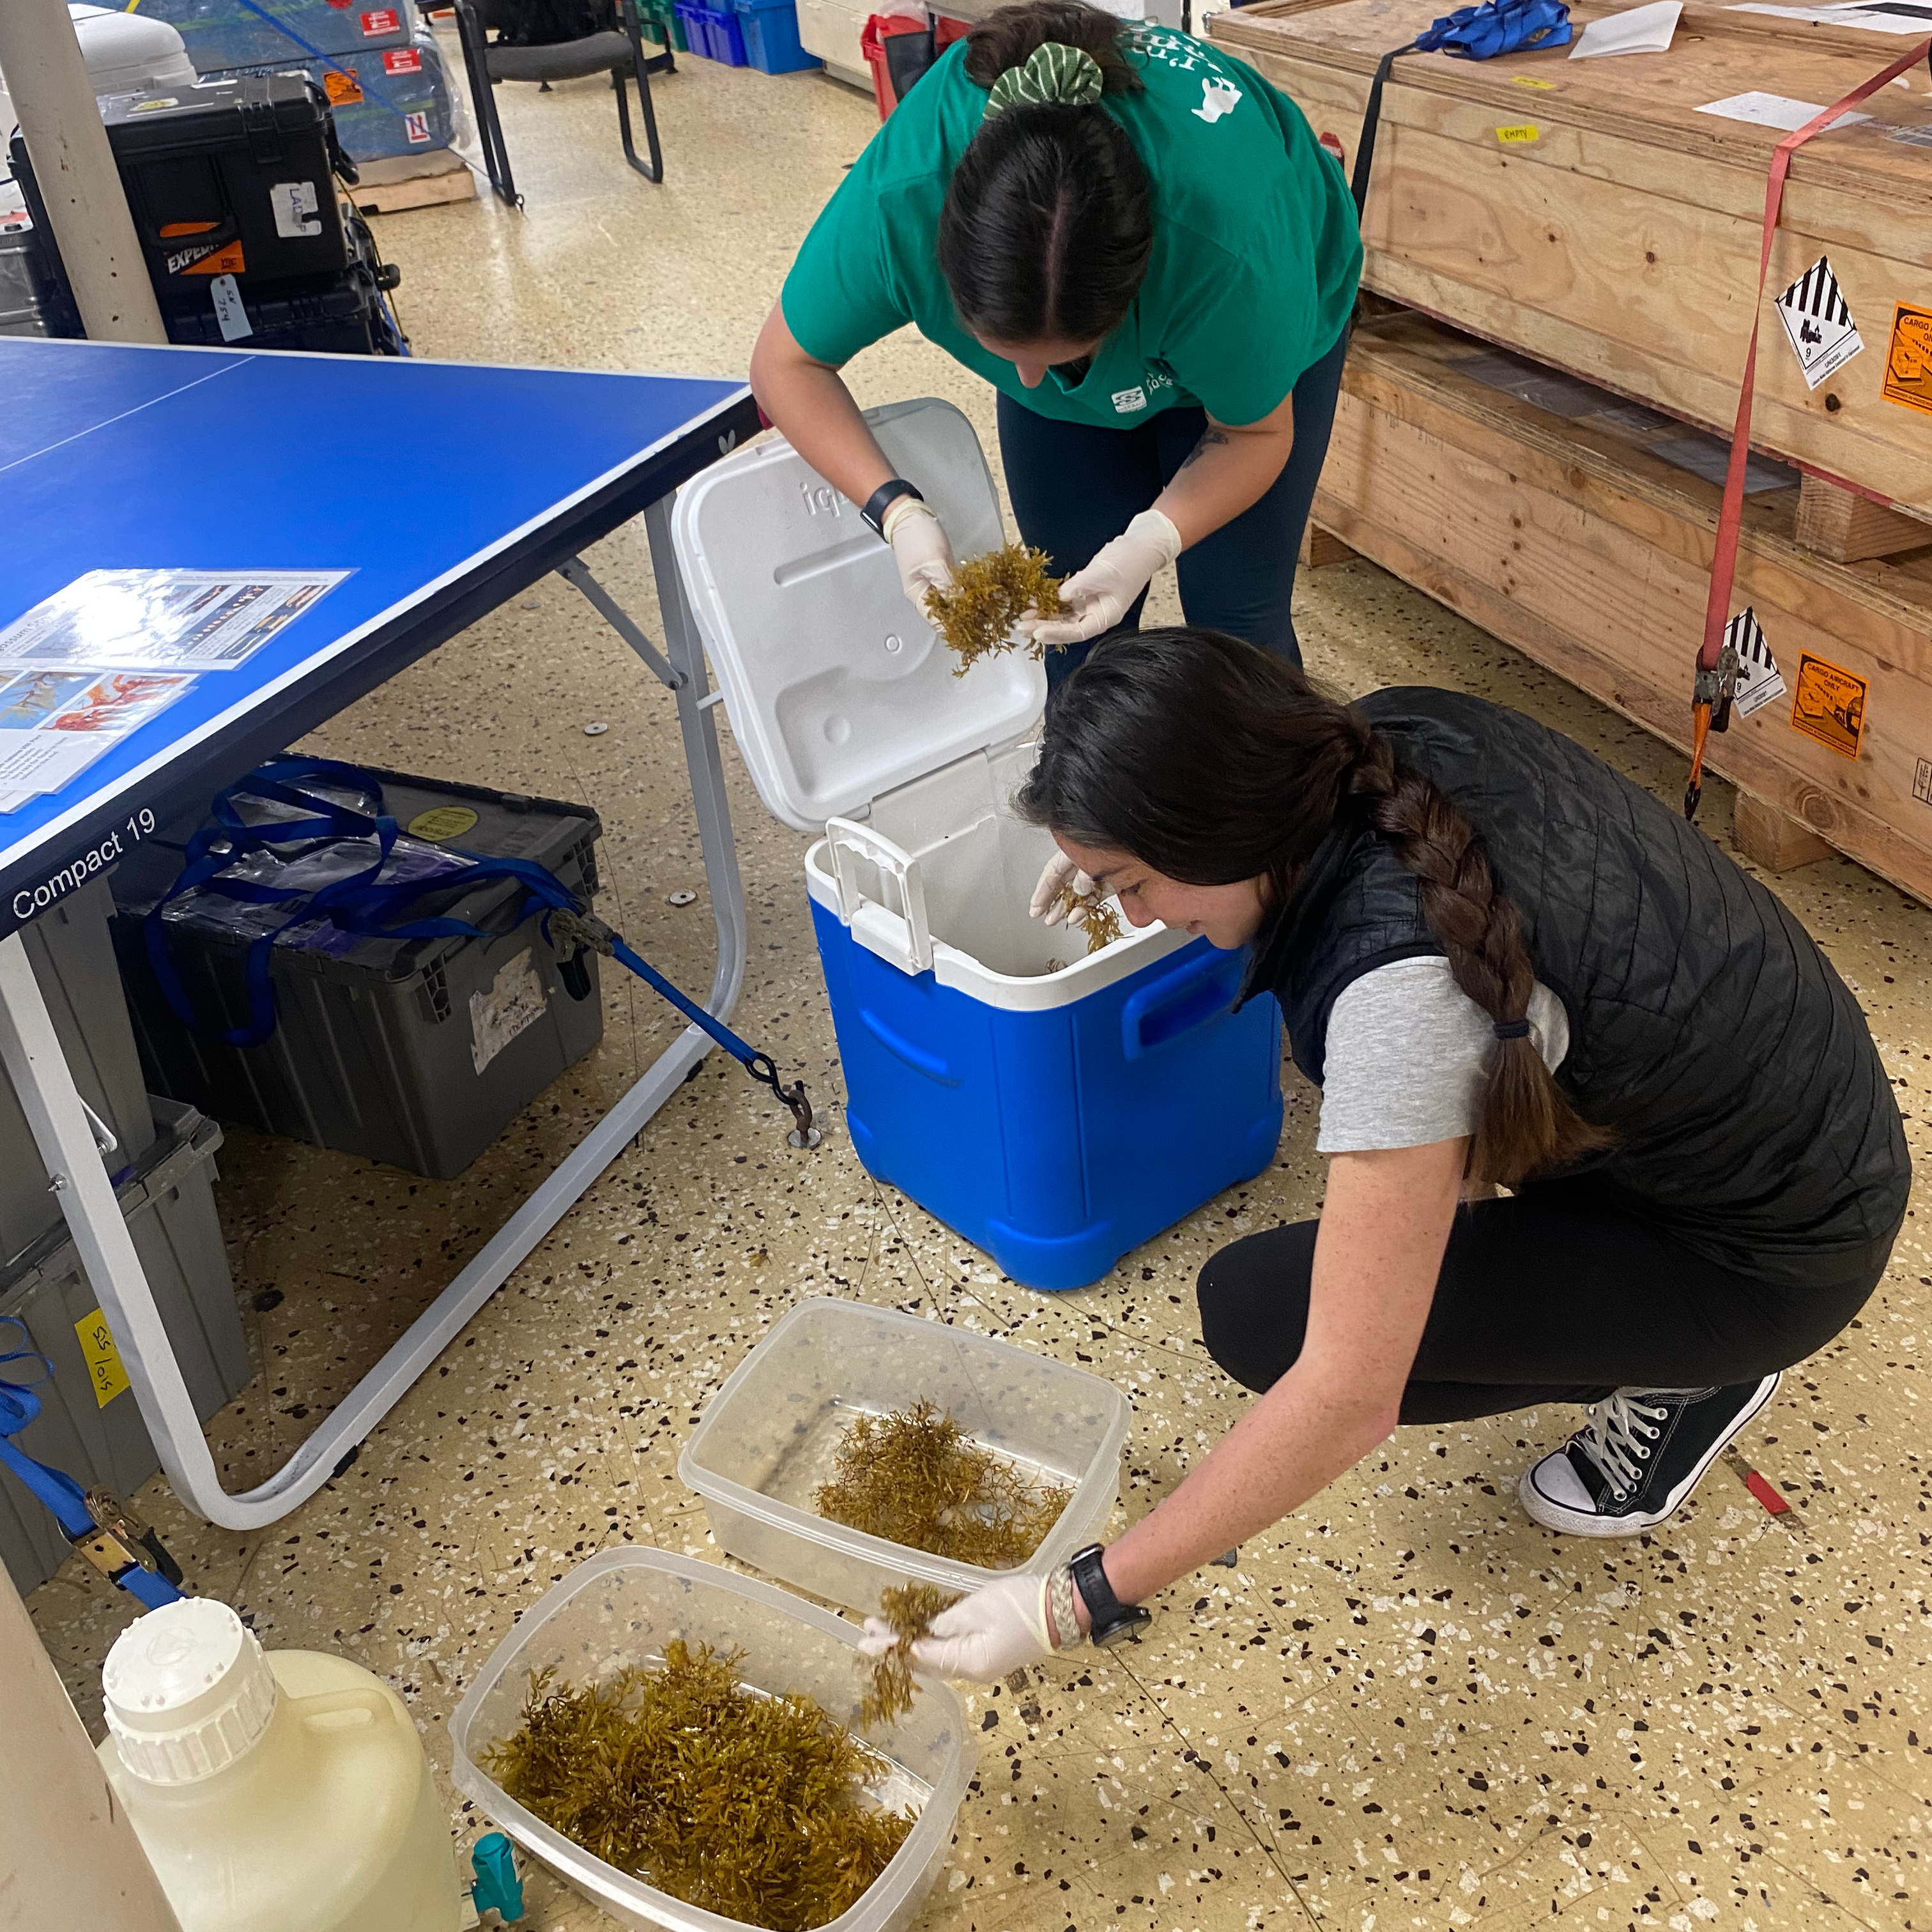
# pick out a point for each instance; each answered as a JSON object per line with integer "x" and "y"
{"x": 913, "y": 1477}
{"x": 990, "y": 594}
{"x": 751, "y": 1806}
{"x": 909, "y": 1610}
{"x": 1093, "y": 914}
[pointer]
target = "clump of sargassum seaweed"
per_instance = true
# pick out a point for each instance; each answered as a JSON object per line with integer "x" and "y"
{"x": 750, "y": 1806}
{"x": 914, "y": 1477}
{"x": 990, "y": 594}
{"x": 1092, "y": 913}
{"x": 909, "y": 1609}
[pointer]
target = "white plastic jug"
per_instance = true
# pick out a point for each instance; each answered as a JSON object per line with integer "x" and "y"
{"x": 282, "y": 1793}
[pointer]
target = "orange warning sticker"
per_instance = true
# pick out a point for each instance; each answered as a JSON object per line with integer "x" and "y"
{"x": 1828, "y": 704}
{"x": 342, "y": 88}
{"x": 1908, "y": 365}
{"x": 226, "y": 260}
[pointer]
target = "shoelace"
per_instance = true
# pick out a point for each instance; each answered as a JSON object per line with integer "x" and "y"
{"x": 1617, "y": 1436}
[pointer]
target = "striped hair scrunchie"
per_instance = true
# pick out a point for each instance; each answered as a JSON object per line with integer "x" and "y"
{"x": 1053, "y": 74}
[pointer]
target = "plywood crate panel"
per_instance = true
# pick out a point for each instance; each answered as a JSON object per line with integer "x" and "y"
{"x": 1567, "y": 535}
{"x": 1621, "y": 241}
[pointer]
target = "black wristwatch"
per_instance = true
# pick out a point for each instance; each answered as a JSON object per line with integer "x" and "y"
{"x": 1110, "y": 1620}
{"x": 873, "y": 512}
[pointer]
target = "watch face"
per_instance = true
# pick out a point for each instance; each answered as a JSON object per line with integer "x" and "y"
{"x": 1130, "y": 1627}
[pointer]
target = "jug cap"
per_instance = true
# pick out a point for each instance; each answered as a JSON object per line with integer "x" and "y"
{"x": 188, "y": 1691}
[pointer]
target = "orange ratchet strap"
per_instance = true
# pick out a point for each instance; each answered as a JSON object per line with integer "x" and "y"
{"x": 1716, "y": 678}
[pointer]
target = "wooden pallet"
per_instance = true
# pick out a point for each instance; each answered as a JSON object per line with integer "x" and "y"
{"x": 1584, "y": 213}
{"x": 390, "y": 187}
{"x": 1567, "y": 535}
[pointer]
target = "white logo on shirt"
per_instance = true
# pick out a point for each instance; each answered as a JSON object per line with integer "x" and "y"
{"x": 1128, "y": 400}
{"x": 1217, "y": 98}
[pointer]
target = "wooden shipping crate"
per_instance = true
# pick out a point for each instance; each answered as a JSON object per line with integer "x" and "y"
{"x": 1555, "y": 517}
{"x": 1585, "y": 212}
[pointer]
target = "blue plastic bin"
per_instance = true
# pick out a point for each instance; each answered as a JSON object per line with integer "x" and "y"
{"x": 771, "y": 36}
{"x": 714, "y": 34}
{"x": 1055, "y": 1108}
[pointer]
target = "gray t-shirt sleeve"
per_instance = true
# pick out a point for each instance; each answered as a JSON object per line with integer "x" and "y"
{"x": 1408, "y": 1053}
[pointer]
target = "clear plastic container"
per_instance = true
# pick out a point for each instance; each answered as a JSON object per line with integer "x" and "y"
{"x": 772, "y": 1434}
{"x": 620, "y": 1610}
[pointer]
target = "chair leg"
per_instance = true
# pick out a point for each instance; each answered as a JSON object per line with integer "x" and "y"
{"x": 653, "y": 170}
{"x": 483, "y": 97}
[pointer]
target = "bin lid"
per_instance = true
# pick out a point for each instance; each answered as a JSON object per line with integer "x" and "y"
{"x": 838, "y": 690}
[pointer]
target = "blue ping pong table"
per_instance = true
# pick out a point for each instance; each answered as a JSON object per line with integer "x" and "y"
{"x": 444, "y": 488}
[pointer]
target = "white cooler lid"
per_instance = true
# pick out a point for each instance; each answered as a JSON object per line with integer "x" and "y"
{"x": 838, "y": 690}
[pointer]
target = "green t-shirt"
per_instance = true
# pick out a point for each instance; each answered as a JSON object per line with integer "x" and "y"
{"x": 1256, "y": 250}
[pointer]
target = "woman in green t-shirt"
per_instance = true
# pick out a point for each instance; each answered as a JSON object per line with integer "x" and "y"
{"x": 1142, "y": 246}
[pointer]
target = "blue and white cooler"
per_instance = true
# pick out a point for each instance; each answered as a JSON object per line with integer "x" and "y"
{"x": 1057, "y": 1109}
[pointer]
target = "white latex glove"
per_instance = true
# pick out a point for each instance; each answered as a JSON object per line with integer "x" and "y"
{"x": 1060, "y": 876}
{"x": 1097, "y": 598}
{"x": 983, "y": 1637}
{"x": 920, "y": 548}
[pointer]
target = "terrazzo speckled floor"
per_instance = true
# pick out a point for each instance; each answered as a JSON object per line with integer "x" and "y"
{"x": 1407, "y": 1707}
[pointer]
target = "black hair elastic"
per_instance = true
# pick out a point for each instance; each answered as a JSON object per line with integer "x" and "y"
{"x": 1512, "y": 1029}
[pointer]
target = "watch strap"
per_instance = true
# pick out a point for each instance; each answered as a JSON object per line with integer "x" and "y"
{"x": 872, "y": 512}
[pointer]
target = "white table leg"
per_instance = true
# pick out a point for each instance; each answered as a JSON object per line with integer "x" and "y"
{"x": 34, "y": 1062}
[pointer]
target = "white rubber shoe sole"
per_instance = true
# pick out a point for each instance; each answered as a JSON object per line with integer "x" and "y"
{"x": 1546, "y": 1486}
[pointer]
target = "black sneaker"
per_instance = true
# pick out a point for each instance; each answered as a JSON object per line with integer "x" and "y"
{"x": 1639, "y": 1457}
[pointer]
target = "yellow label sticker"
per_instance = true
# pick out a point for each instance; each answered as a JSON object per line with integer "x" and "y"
{"x": 102, "y": 1358}
{"x": 342, "y": 88}
{"x": 1829, "y": 705}
{"x": 1527, "y": 80}
{"x": 1515, "y": 136}
{"x": 441, "y": 822}
{"x": 1908, "y": 364}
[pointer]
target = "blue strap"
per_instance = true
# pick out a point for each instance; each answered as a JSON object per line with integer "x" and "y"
{"x": 63, "y": 1497}
{"x": 364, "y": 903}
{"x": 217, "y": 847}
{"x": 1474, "y": 33}
{"x": 1498, "y": 27}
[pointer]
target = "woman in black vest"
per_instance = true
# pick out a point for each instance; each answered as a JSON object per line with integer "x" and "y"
{"x": 1503, "y": 963}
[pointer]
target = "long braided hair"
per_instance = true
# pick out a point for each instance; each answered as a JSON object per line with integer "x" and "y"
{"x": 1213, "y": 762}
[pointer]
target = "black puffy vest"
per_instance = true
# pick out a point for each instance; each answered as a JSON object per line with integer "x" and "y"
{"x": 1752, "y": 1114}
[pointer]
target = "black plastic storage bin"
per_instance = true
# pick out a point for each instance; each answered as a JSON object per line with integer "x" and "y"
{"x": 414, "y": 1052}
{"x": 231, "y": 177}
{"x": 342, "y": 314}
{"x": 89, "y": 1425}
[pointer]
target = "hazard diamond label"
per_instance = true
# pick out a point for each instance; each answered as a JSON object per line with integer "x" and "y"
{"x": 1823, "y": 336}
{"x": 1758, "y": 680}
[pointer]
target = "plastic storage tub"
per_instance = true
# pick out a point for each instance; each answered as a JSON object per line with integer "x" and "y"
{"x": 90, "y": 1425}
{"x": 770, "y": 29}
{"x": 1055, "y": 1109}
{"x": 417, "y": 1052}
{"x": 714, "y": 33}
{"x": 769, "y": 1437}
{"x": 73, "y": 958}
{"x": 621, "y": 1609}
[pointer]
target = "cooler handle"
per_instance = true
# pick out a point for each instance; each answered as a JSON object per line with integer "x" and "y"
{"x": 1200, "y": 990}
{"x": 906, "y": 939}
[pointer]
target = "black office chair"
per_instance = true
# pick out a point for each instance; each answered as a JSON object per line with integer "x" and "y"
{"x": 615, "y": 46}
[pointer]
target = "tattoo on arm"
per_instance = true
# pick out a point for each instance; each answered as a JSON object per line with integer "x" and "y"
{"x": 1210, "y": 437}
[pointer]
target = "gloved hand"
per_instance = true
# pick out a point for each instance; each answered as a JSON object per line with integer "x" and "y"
{"x": 1097, "y": 598}
{"x": 1060, "y": 876}
{"x": 920, "y": 548}
{"x": 983, "y": 1637}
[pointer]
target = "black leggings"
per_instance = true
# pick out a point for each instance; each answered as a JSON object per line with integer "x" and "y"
{"x": 1076, "y": 486}
{"x": 1558, "y": 1294}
